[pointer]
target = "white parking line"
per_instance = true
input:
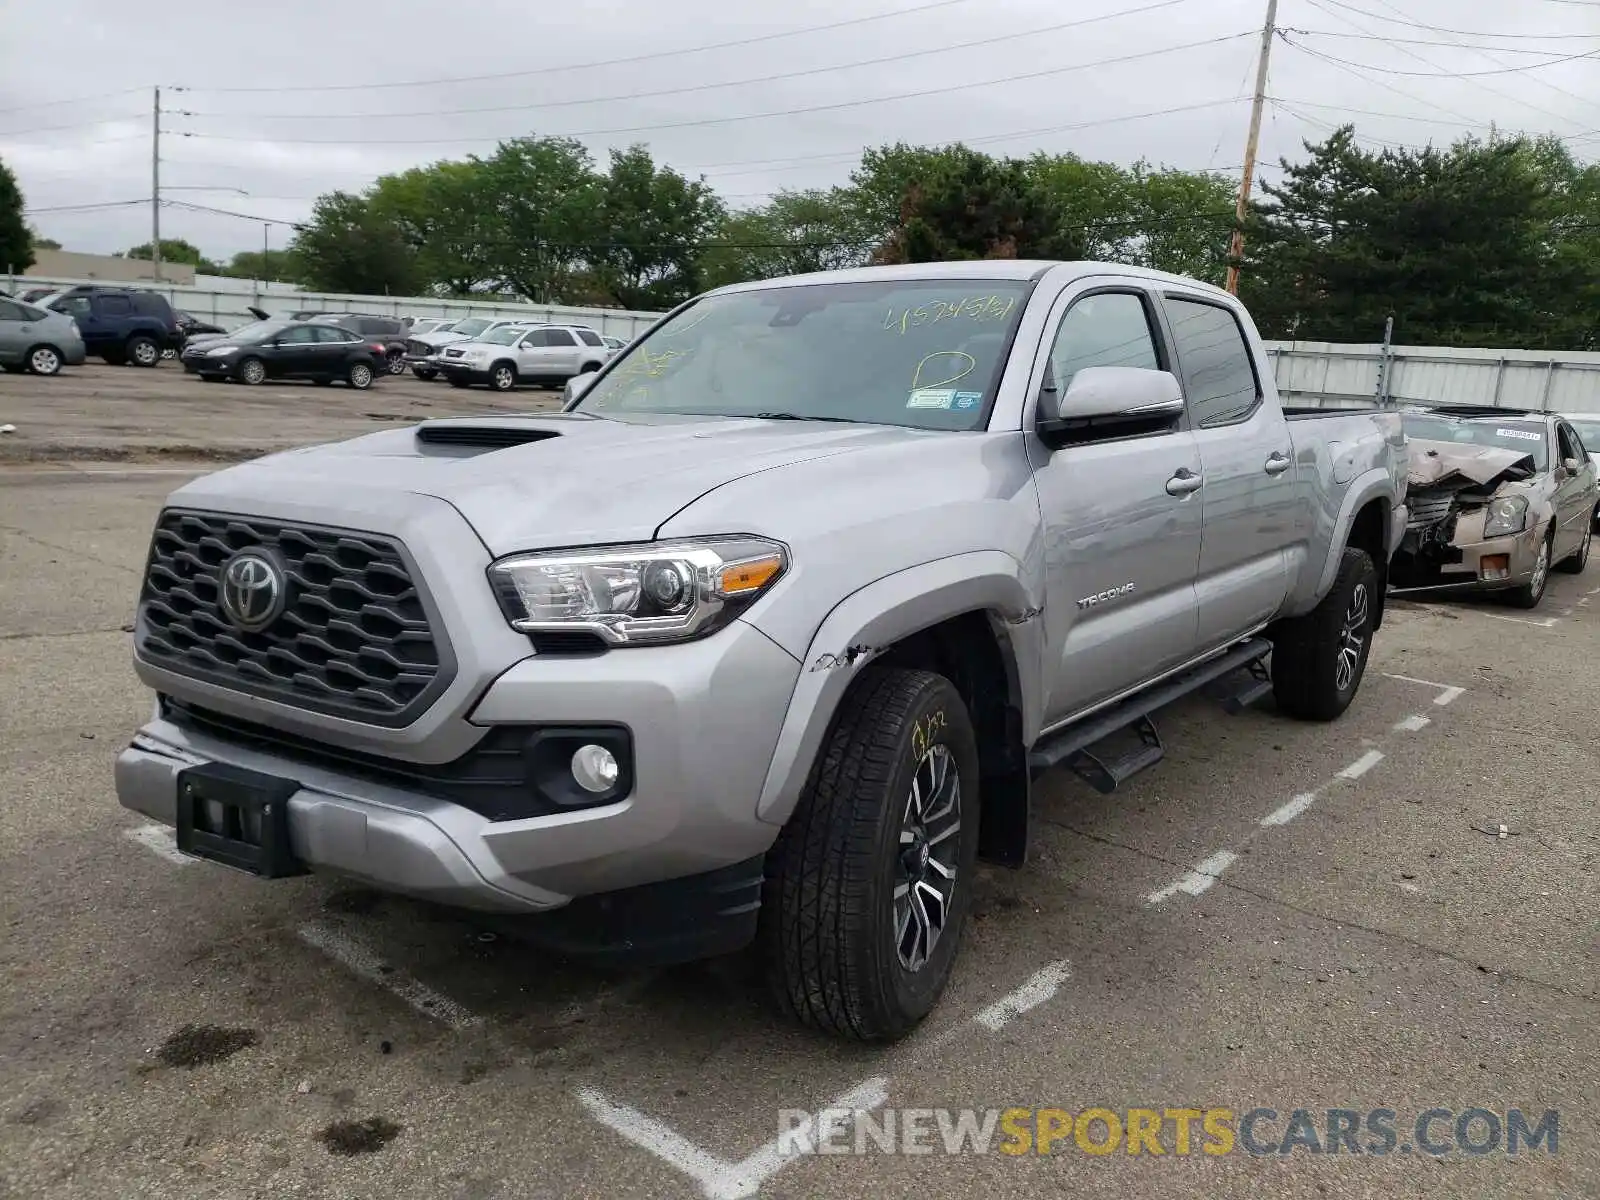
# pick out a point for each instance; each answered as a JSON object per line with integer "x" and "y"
{"x": 1362, "y": 765}
{"x": 1447, "y": 692}
{"x": 360, "y": 958}
{"x": 158, "y": 839}
{"x": 1289, "y": 811}
{"x": 1198, "y": 880}
{"x": 718, "y": 1178}
{"x": 1039, "y": 988}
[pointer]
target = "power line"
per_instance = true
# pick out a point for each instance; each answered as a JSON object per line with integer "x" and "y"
{"x": 1400, "y": 41}
{"x": 1402, "y": 20}
{"x": 1362, "y": 74}
{"x": 61, "y": 208}
{"x": 788, "y": 112}
{"x": 609, "y": 62}
{"x": 71, "y": 100}
{"x": 697, "y": 87}
{"x": 1565, "y": 58}
{"x": 120, "y": 117}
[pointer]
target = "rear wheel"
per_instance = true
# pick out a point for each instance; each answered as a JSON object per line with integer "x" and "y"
{"x": 1575, "y": 562}
{"x": 252, "y": 371}
{"x": 868, "y": 885}
{"x": 1318, "y": 659}
{"x": 142, "y": 351}
{"x": 359, "y": 376}
{"x": 397, "y": 364}
{"x": 1531, "y": 593}
{"x": 44, "y": 360}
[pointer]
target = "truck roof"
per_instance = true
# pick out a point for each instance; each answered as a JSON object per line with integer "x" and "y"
{"x": 984, "y": 268}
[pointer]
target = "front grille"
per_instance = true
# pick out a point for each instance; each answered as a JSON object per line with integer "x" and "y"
{"x": 418, "y": 349}
{"x": 1428, "y": 508}
{"x": 354, "y": 640}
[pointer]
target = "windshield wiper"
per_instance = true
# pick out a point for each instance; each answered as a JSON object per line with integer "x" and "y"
{"x": 789, "y": 416}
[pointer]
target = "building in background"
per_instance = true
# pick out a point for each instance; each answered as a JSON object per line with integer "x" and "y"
{"x": 65, "y": 264}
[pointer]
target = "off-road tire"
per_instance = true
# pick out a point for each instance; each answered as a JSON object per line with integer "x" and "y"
{"x": 1306, "y": 649}
{"x": 827, "y": 938}
{"x": 1575, "y": 562}
{"x": 1531, "y": 594}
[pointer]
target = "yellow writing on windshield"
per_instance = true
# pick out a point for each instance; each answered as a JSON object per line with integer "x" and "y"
{"x": 958, "y": 361}
{"x": 973, "y": 308}
{"x": 644, "y": 363}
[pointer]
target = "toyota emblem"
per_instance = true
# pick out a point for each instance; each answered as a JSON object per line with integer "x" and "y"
{"x": 254, "y": 590}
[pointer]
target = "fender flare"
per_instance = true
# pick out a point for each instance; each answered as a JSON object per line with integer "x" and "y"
{"x": 1375, "y": 484}
{"x": 868, "y": 622}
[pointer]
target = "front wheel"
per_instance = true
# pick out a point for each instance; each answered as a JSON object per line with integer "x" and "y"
{"x": 1531, "y": 593}
{"x": 869, "y": 882}
{"x": 44, "y": 360}
{"x": 359, "y": 376}
{"x": 1318, "y": 659}
{"x": 503, "y": 378}
{"x": 1574, "y": 563}
{"x": 252, "y": 371}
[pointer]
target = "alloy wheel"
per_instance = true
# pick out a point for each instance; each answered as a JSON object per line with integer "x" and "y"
{"x": 1352, "y": 638}
{"x": 925, "y": 868}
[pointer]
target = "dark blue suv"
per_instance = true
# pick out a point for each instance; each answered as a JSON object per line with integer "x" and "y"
{"x": 121, "y": 325}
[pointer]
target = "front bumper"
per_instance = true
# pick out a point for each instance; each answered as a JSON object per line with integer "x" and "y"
{"x": 1489, "y": 564}
{"x": 464, "y": 372}
{"x": 704, "y": 720}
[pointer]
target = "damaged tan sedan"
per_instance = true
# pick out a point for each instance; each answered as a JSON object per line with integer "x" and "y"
{"x": 1496, "y": 499}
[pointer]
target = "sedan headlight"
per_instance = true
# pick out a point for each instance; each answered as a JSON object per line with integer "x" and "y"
{"x": 638, "y": 595}
{"x": 219, "y": 351}
{"x": 1506, "y": 516}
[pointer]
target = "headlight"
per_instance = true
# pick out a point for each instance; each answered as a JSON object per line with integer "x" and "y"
{"x": 631, "y": 595}
{"x": 219, "y": 351}
{"x": 1506, "y": 515}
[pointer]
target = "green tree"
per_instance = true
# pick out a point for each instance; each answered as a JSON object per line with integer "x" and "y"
{"x": 16, "y": 241}
{"x": 40, "y": 242}
{"x": 652, "y": 222}
{"x": 970, "y": 205}
{"x": 176, "y": 250}
{"x": 347, "y": 247}
{"x": 542, "y": 206}
{"x": 1180, "y": 221}
{"x": 446, "y": 213}
{"x": 794, "y": 233}
{"x": 279, "y": 265}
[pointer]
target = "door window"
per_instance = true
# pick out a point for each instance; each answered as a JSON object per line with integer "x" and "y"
{"x": 326, "y": 333}
{"x": 1219, "y": 379}
{"x": 12, "y": 312}
{"x": 590, "y": 338}
{"x": 300, "y": 335}
{"x": 1107, "y": 329}
{"x": 559, "y": 337}
{"x": 1571, "y": 447}
{"x": 114, "y": 306}
{"x": 74, "y": 306}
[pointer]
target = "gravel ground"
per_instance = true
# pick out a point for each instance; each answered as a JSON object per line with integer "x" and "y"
{"x": 170, "y": 1028}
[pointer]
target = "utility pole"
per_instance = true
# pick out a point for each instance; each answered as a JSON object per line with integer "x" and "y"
{"x": 155, "y": 187}
{"x": 1236, "y": 244}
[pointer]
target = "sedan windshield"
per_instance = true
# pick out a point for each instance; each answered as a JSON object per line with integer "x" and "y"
{"x": 1525, "y": 437}
{"x": 472, "y": 326}
{"x": 259, "y": 332}
{"x": 919, "y": 353}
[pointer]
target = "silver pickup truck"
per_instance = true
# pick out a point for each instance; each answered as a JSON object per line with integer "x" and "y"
{"x": 764, "y": 638}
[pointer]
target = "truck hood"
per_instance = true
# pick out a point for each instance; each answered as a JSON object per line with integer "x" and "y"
{"x": 543, "y": 480}
{"x": 1432, "y": 463}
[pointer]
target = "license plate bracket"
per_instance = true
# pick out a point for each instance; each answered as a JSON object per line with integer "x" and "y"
{"x": 237, "y": 817}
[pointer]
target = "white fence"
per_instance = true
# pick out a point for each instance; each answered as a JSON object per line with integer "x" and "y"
{"x": 1337, "y": 375}
{"x": 226, "y": 302}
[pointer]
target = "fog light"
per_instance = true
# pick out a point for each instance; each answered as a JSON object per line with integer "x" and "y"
{"x": 594, "y": 768}
{"x": 1495, "y": 566}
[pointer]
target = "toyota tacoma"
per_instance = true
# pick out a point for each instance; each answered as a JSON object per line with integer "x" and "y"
{"x": 764, "y": 638}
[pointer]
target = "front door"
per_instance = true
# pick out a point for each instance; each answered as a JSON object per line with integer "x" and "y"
{"x": 1574, "y": 495}
{"x": 1247, "y": 458}
{"x": 1121, "y": 518}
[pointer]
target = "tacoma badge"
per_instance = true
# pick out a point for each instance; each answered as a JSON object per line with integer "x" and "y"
{"x": 1101, "y": 597}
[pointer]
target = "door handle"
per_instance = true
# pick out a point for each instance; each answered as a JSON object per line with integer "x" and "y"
{"x": 1184, "y": 482}
{"x": 1277, "y": 463}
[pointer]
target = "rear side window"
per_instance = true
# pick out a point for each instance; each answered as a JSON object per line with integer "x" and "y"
{"x": 1108, "y": 329}
{"x": 589, "y": 339}
{"x": 558, "y": 337}
{"x": 113, "y": 306}
{"x": 1219, "y": 379}
{"x": 12, "y": 312}
{"x": 327, "y": 333}
{"x": 148, "y": 306}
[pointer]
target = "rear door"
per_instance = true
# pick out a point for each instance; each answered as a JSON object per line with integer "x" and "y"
{"x": 335, "y": 347}
{"x": 1247, "y": 464}
{"x": 296, "y": 352}
{"x": 1121, "y": 515}
{"x": 15, "y": 331}
{"x": 564, "y": 351}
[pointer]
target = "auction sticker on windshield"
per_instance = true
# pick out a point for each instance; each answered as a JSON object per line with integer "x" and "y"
{"x": 932, "y": 398}
{"x": 1523, "y": 434}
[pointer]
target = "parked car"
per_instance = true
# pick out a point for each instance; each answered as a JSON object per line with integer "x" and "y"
{"x": 289, "y": 350}
{"x": 34, "y": 294}
{"x": 38, "y": 340}
{"x": 1587, "y": 427}
{"x": 189, "y": 327}
{"x": 764, "y": 638}
{"x": 391, "y": 331}
{"x": 513, "y": 354}
{"x": 422, "y": 350}
{"x": 612, "y": 342}
{"x": 428, "y": 325}
{"x": 1496, "y": 499}
{"x": 120, "y": 325}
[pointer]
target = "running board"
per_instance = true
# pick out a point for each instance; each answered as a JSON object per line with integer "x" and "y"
{"x": 1073, "y": 746}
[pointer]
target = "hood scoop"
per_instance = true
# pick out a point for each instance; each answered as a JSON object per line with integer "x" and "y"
{"x": 460, "y": 435}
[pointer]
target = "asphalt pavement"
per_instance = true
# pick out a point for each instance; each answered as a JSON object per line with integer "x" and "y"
{"x": 1281, "y": 916}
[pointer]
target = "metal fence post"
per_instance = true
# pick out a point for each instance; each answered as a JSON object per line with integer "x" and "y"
{"x": 1386, "y": 361}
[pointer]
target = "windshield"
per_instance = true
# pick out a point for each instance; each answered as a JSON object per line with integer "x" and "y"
{"x": 919, "y": 353}
{"x": 472, "y": 326}
{"x": 257, "y": 332}
{"x": 503, "y": 336}
{"x": 1526, "y": 437}
{"x": 1589, "y": 431}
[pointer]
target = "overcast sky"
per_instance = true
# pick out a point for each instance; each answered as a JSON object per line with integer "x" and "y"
{"x": 249, "y": 121}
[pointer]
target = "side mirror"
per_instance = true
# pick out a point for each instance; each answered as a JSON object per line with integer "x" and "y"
{"x": 1110, "y": 401}
{"x": 577, "y": 386}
